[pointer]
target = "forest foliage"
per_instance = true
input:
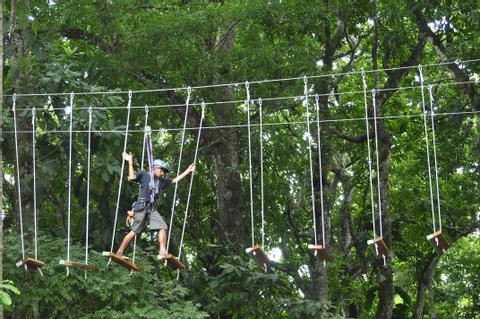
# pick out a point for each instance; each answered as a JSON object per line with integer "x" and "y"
{"x": 151, "y": 46}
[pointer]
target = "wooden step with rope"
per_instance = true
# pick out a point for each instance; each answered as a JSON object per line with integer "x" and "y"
{"x": 172, "y": 262}
{"x": 31, "y": 263}
{"x": 122, "y": 261}
{"x": 259, "y": 255}
{"x": 439, "y": 242}
{"x": 379, "y": 247}
{"x": 76, "y": 264}
{"x": 320, "y": 251}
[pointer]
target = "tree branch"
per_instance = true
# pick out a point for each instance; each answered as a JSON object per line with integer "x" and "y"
{"x": 453, "y": 68}
{"x": 354, "y": 139}
{"x": 93, "y": 39}
{"x": 396, "y": 75}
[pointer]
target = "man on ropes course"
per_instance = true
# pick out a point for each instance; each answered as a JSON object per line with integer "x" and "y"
{"x": 144, "y": 210}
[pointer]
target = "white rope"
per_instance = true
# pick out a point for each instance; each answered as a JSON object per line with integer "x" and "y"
{"x": 247, "y": 103}
{"x": 235, "y": 84}
{"x": 121, "y": 173}
{"x": 145, "y": 124}
{"x": 309, "y": 137}
{"x": 34, "y": 184}
{"x": 320, "y": 168}
{"x": 370, "y": 177}
{"x": 87, "y": 221}
{"x": 432, "y": 205}
{"x": 20, "y": 210}
{"x": 432, "y": 111}
{"x": 174, "y": 201}
{"x": 265, "y": 99}
{"x": 239, "y": 126}
{"x": 69, "y": 181}
{"x": 191, "y": 183}
{"x": 374, "y": 103}
{"x": 262, "y": 211}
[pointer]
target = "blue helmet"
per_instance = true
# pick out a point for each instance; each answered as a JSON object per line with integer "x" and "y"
{"x": 161, "y": 164}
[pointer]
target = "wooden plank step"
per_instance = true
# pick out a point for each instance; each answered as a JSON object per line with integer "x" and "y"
{"x": 259, "y": 255}
{"x": 122, "y": 261}
{"x": 76, "y": 264}
{"x": 31, "y": 263}
{"x": 172, "y": 262}
{"x": 379, "y": 247}
{"x": 439, "y": 242}
{"x": 320, "y": 251}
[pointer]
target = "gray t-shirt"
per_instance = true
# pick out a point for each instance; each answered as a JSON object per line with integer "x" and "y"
{"x": 143, "y": 178}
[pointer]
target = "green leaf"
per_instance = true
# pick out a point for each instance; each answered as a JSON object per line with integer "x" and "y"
{"x": 10, "y": 287}
{"x": 5, "y": 299}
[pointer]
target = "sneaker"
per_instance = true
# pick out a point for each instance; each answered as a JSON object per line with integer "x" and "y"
{"x": 161, "y": 256}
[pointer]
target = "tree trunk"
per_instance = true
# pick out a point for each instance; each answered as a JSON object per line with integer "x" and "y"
{"x": 346, "y": 217}
{"x": 386, "y": 289}
{"x": 106, "y": 219}
{"x": 431, "y": 302}
{"x": 1, "y": 150}
{"x": 319, "y": 283}
{"x": 225, "y": 150}
{"x": 21, "y": 83}
{"x": 35, "y": 309}
{"x": 385, "y": 273}
{"x": 423, "y": 284}
{"x": 346, "y": 222}
{"x": 21, "y": 69}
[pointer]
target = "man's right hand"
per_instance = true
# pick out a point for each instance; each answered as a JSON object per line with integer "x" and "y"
{"x": 127, "y": 157}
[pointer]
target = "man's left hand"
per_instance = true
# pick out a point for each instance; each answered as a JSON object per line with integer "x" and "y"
{"x": 130, "y": 215}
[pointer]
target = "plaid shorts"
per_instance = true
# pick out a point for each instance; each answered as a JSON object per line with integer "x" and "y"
{"x": 154, "y": 219}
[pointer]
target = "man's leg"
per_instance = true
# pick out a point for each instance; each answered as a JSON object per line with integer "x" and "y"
{"x": 125, "y": 242}
{"x": 139, "y": 221}
{"x": 157, "y": 223}
{"x": 162, "y": 239}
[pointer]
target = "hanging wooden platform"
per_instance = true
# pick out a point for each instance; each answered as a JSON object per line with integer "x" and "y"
{"x": 31, "y": 263}
{"x": 172, "y": 262}
{"x": 320, "y": 251}
{"x": 439, "y": 242}
{"x": 122, "y": 261}
{"x": 259, "y": 255}
{"x": 379, "y": 247}
{"x": 76, "y": 265}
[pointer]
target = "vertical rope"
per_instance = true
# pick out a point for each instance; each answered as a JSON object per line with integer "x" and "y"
{"x": 247, "y": 102}
{"x": 87, "y": 221}
{"x": 262, "y": 211}
{"x": 380, "y": 227}
{"x": 151, "y": 183}
{"x": 34, "y": 183}
{"x": 145, "y": 124}
{"x": 69, "y": 179}
{"x": 20, "y": 209}
{"x": 428, "y": 149}
{"x": 191, "y": 181}
{"x": 320, "y": 167}
{"x": 370, "y": 178}
{"x": 174, "y": 201}
{"x": 121, "y": 172}
{"x": 149, "y": 147}
{"x": 309, "y": 137}
{"x": 432, "y": 111}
